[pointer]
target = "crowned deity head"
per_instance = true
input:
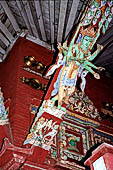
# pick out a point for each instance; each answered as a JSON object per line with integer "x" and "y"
{"x": 85, "y": 43}
{"x": 87, "y": 37}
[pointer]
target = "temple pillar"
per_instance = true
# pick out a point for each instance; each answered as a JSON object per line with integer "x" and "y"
{"x": 102, "y": 158}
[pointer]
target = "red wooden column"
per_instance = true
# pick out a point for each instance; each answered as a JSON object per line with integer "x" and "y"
{"x": 102, "y": 158}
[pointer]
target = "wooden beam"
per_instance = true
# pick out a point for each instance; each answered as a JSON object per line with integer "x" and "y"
{"x": 63, "y": 7}
{"x": 6, "y": 32}
{"x": 23, "y": 13}
{"x": 38, "y": 41}
{"x": 40, "y": 19}
{"x": 71, "y": 17}
{"x": 52, "y": 20}
{"x": 12, "y": 43}
{"x": 2, "y": 50}
{"x": 10, "y": 15}
{"x": 30, "y": 18}
{"x": 4, "y": 40}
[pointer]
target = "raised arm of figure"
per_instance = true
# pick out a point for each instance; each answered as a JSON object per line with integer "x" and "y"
{"x": 89, "y": 68}
{"x": 75, "y": 35}
{"x": 93, "y": 56}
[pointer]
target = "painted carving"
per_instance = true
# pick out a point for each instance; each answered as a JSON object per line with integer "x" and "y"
{"x": 72, "y": 141}
{"x": 43, "y": 132}
{"x": 79, "y": 102}
{"x": 47, "y": 106}
{"x": 101, "y": 137}
{"x": 78, "y": 53}
{"x": 74, "y": 61}
{"x": 3, "y": 111}
{"x": 33, "y": 109}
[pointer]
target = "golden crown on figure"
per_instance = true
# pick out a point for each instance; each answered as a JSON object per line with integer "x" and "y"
{"x": 88, "y": 31}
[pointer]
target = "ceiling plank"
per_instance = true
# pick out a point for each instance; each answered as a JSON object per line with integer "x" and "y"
{"x": 10, "y": 16}
{"x": 38, "y": 41}
{"x": 71, "y": 17}
{"x": 40, "y": 19}
{"x": 2, "y": 50}
{"x": 4, "y": 40}
{"x": 52, "y": 20}
{"x": 24, "y": 16}
{"x": 6, "y": 32}
{"x": 63, "y": 7}
{"x": 30, "y": 18}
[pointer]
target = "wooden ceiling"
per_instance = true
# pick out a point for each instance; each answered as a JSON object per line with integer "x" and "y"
{"x": 48, "y": 22}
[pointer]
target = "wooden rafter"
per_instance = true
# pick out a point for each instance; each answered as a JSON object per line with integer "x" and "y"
{"x": 71, "y": 16}
{"x": 4, "y": 40}
{"x": 10, "y": 16}
{"x": 52, "y": 20}
{"x": 40, "y": 19}
{"x": 38, "y": 41}
{"x": 2, "y": 51}
{"x": 6, "y": 32}
{"x": 30, "y": 18}
{"x": 63, "y": 7}
{"x": 24, "y": 16}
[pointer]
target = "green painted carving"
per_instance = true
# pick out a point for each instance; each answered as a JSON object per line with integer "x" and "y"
{"x": 78, "y": 53}
{"x": 74, "y": 58}
{"x": 71, "y": 139}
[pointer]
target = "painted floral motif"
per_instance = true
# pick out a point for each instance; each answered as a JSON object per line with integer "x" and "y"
{"x": 47, "y": 106}
{"x": 72, "y": 142}
{"x": 79, "y": 102}
{"x": 101, "y": 137}
{"x": 43, "y": 132}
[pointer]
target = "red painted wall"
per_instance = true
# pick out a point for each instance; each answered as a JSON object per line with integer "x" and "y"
{"x": 99, "y": 91}
{"x": 21, "y": 95}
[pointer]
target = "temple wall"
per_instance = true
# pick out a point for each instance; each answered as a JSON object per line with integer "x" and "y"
{"x": 21, "y": 95}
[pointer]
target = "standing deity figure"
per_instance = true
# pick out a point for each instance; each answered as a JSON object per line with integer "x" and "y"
{"x": 77, "y": 56}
